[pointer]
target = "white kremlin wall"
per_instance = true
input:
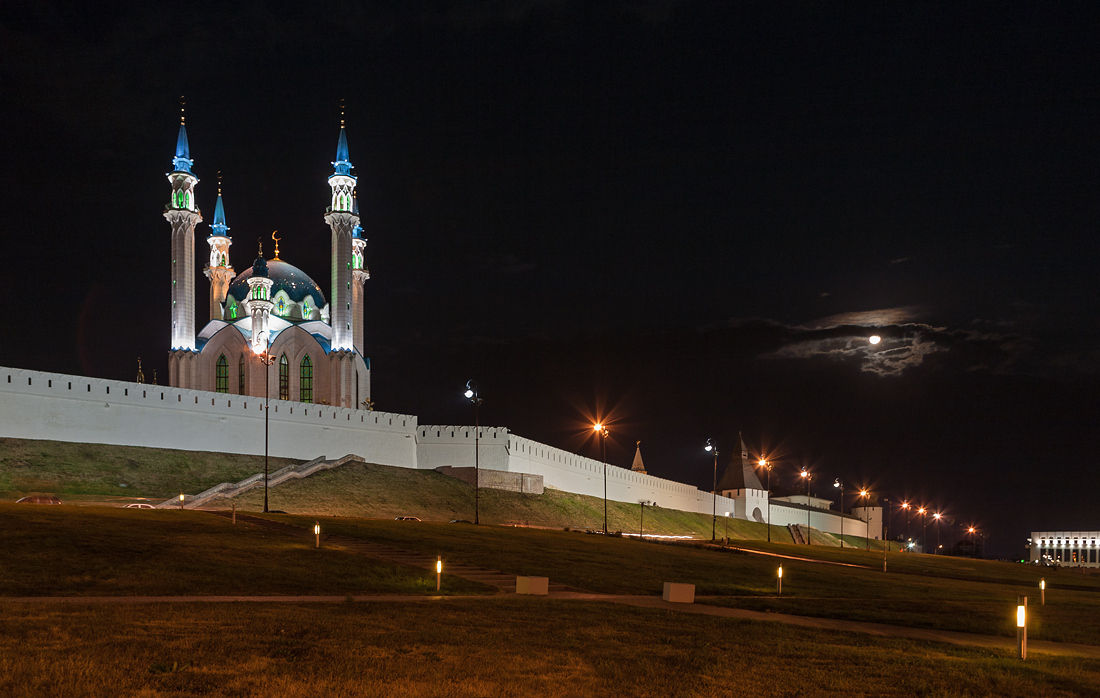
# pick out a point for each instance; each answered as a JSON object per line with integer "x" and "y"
{"x": 58, "y": 407}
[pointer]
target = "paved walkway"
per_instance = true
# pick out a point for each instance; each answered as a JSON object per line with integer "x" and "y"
{"x": 879, "y": 629}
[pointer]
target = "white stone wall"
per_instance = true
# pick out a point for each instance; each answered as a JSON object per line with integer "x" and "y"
{"x": 822, "y": 519}
{"x": 37, "y": 405}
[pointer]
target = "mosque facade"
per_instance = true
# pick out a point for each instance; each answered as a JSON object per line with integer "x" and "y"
{"x": 270, "y": 330}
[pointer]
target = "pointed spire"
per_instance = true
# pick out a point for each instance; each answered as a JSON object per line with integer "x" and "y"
{"x": 182, "y": 162}
{"x": 218, "y": 227}
{"x": 638, "y": 466}
{"x": 740, "y": 476}
{"x": 343, "y": 162}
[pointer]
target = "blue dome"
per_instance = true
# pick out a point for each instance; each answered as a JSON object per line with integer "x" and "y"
{"x": 285, "y": 277}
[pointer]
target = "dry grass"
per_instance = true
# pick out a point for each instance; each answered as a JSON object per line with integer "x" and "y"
{"x": 487, "y": 648}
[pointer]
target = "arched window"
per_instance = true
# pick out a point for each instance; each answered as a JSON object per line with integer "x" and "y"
{"x": 240, "y": 376}
{"x": 284, "y": 378}
{"x": 305, "y": 380}
{"x": 221, "y": 375}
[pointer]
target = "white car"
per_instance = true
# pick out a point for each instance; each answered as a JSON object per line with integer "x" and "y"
{"x": 139, "y": 506}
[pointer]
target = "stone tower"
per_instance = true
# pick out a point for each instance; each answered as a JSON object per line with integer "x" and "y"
{"x": 359, "y": 274}
{"x": 183, "y": 215}
{"x": 219, "y": 270}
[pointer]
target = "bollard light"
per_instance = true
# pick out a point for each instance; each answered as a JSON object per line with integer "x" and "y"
{"x": 181, "y": 501}
{"x": 1043, "y": 591}
{"x": 317, "y": 533}
{"x": 779, "y": 581}
{"x": 1021, "y": 627}
{"x": 438, "y": 570}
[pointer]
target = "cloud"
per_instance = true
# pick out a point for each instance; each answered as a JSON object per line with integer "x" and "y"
{"x": 905, "y": 344}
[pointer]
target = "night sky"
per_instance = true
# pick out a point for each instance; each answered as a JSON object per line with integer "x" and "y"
{"x": 684, "y": 217}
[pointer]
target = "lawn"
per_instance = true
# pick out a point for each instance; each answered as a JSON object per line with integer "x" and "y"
{"x": 100, "y": 551}
{"x": 496, "y": 647}
{"x": 984, "y": 604}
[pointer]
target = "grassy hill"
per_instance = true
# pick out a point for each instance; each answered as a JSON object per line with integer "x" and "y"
{"x": 99, "y": 473}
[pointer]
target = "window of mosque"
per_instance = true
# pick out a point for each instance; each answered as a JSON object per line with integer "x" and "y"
{"x": 305, "y": 380}
{"x": 221, "y": 375}
{"x": 240, "y": 375}
{"x": 305, "y": 310}
{"x": 232, "y": 311}
{"x": 281, "y": 307}
{"x": 284, "y": 378}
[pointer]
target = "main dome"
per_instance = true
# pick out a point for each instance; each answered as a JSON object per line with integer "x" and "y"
{"x": 285, "y": 277}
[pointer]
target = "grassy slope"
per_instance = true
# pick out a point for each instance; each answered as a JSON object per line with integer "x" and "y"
{"x": 68, "y": 469}
{"x": 99, "y": 551}
{"x": 506, "y": 648}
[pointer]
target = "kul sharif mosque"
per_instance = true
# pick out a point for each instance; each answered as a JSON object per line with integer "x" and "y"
{"x": 272, "y": 312}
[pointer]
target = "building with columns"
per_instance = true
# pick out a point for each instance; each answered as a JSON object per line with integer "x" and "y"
{"x": 270, "y": 329}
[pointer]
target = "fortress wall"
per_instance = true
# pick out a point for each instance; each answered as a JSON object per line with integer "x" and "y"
{"x": 827, "y": 520}
{"x": 58, "y": 407}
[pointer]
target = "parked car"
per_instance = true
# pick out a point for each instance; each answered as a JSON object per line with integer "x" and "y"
{"x": 405, "y": 518}
{"x": 139, "y": 505}
{"x": 38, "y": 500}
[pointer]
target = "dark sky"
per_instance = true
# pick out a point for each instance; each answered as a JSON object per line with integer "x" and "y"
{"x": 688, "y": 215}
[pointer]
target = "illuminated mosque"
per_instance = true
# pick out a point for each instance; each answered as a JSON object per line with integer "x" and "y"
{"x": 272, "y": 313}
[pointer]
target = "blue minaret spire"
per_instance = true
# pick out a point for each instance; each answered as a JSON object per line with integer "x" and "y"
{"x": 182, "y": 162}
{"x": 218, "y": 227}
{"x": 343, "y": 163}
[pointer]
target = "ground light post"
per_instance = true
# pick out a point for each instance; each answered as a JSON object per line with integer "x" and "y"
{"x": 765, "y": 464}
{"x": 838, "y": 483}
{"x": 473, "y": 396}
{"x": 712, "y": 447}
{"x": 266, "y": 359}
{"x": 601, "y": 432}
{"x": 726, "y": 539}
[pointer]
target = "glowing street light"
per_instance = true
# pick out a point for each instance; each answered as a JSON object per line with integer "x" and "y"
{"x": 601, "y": 432}
{"x": 765, "y": 464}
{"x": 807, "y": 477}
{"x": 838, "y": 483}
{"x": 939, "y": 545}
{"x": 907, "y": 507}
{"x": 712, "y": 447}
{"x": 1043, "y": 591}
{"x": 438, "y": 570}
{"x": 181, "y": 501}
{"x": 864, "y": 493}
{"x": 471, "y": 394}
{"x": 317, "y": 533}
{"x": 779, "y": 581}
{"x": 924, "y": 523}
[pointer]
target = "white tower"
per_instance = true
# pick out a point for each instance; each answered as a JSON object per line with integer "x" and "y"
{"x": 342, "y": 219}
{"x": 183, "y": 215}
{"x": 219, "y": 270}
{"x": 359, "y": 274}
{"x": 258, "y": 304}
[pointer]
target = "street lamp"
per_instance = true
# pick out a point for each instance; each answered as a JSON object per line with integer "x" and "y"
{"x": 864, "y": 493}
{"x": 766, "y": 464}
{"x": 838, "y": 483}
{"x": 936, "y": 516}
{"x": 641, "y": 521}
{"x": 924, "y": 528}
{"x": 473, "y": 396}
{"x": 712, "y": 447}
{"x": 907, "y": 507}
{"x": 266, "y": 359}
{"x": 806, "y": 476}
{"x": 601, "y": 432}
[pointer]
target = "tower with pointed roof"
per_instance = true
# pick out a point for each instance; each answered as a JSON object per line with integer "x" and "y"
{"x": 219, "y": 270}
{"x": 741, "y": 484}
{"x": 258, "y": 303}
{"x": 638, "y": 466}
{"x": 182, "y": 213}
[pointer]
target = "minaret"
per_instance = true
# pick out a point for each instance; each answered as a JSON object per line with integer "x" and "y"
{"x": 182, "y": 213}
{"x": 359, "y": 275}
{"x": 342, "y": 219}
{"x": 219, "y": 270}
{"x": 258, "y": 304}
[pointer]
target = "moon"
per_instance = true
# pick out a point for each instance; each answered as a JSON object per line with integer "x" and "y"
{"x": 874, "y": 339}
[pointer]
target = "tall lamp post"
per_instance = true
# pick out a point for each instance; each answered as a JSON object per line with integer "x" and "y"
{"x": 806, "y": 476}
{"x": 924, "y": 528}
{"x": 473, "y": 396}
{"x": 864, "y": 493}
{"x": 601, "y": 432}
{"x": 712, "y": 447}
{"x": 766, "y": 464}
{"x": 936, "y": 516}
{"x": 838, "y": 483}
{"x": 907, "y": 507}
{"x": 266, "y": 359}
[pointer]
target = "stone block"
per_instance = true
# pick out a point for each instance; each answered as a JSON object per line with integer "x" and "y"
{"x": 679, "y": 593}
{"x": 538, "y": 586}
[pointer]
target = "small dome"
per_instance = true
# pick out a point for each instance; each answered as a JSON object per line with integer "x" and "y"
{"x": 259, "y": 267}
{"x": 285, "y": 277}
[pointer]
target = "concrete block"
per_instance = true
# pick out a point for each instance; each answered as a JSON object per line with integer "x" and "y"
{"x": 537, "y": 586}
{"x": 679, "y": 593}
